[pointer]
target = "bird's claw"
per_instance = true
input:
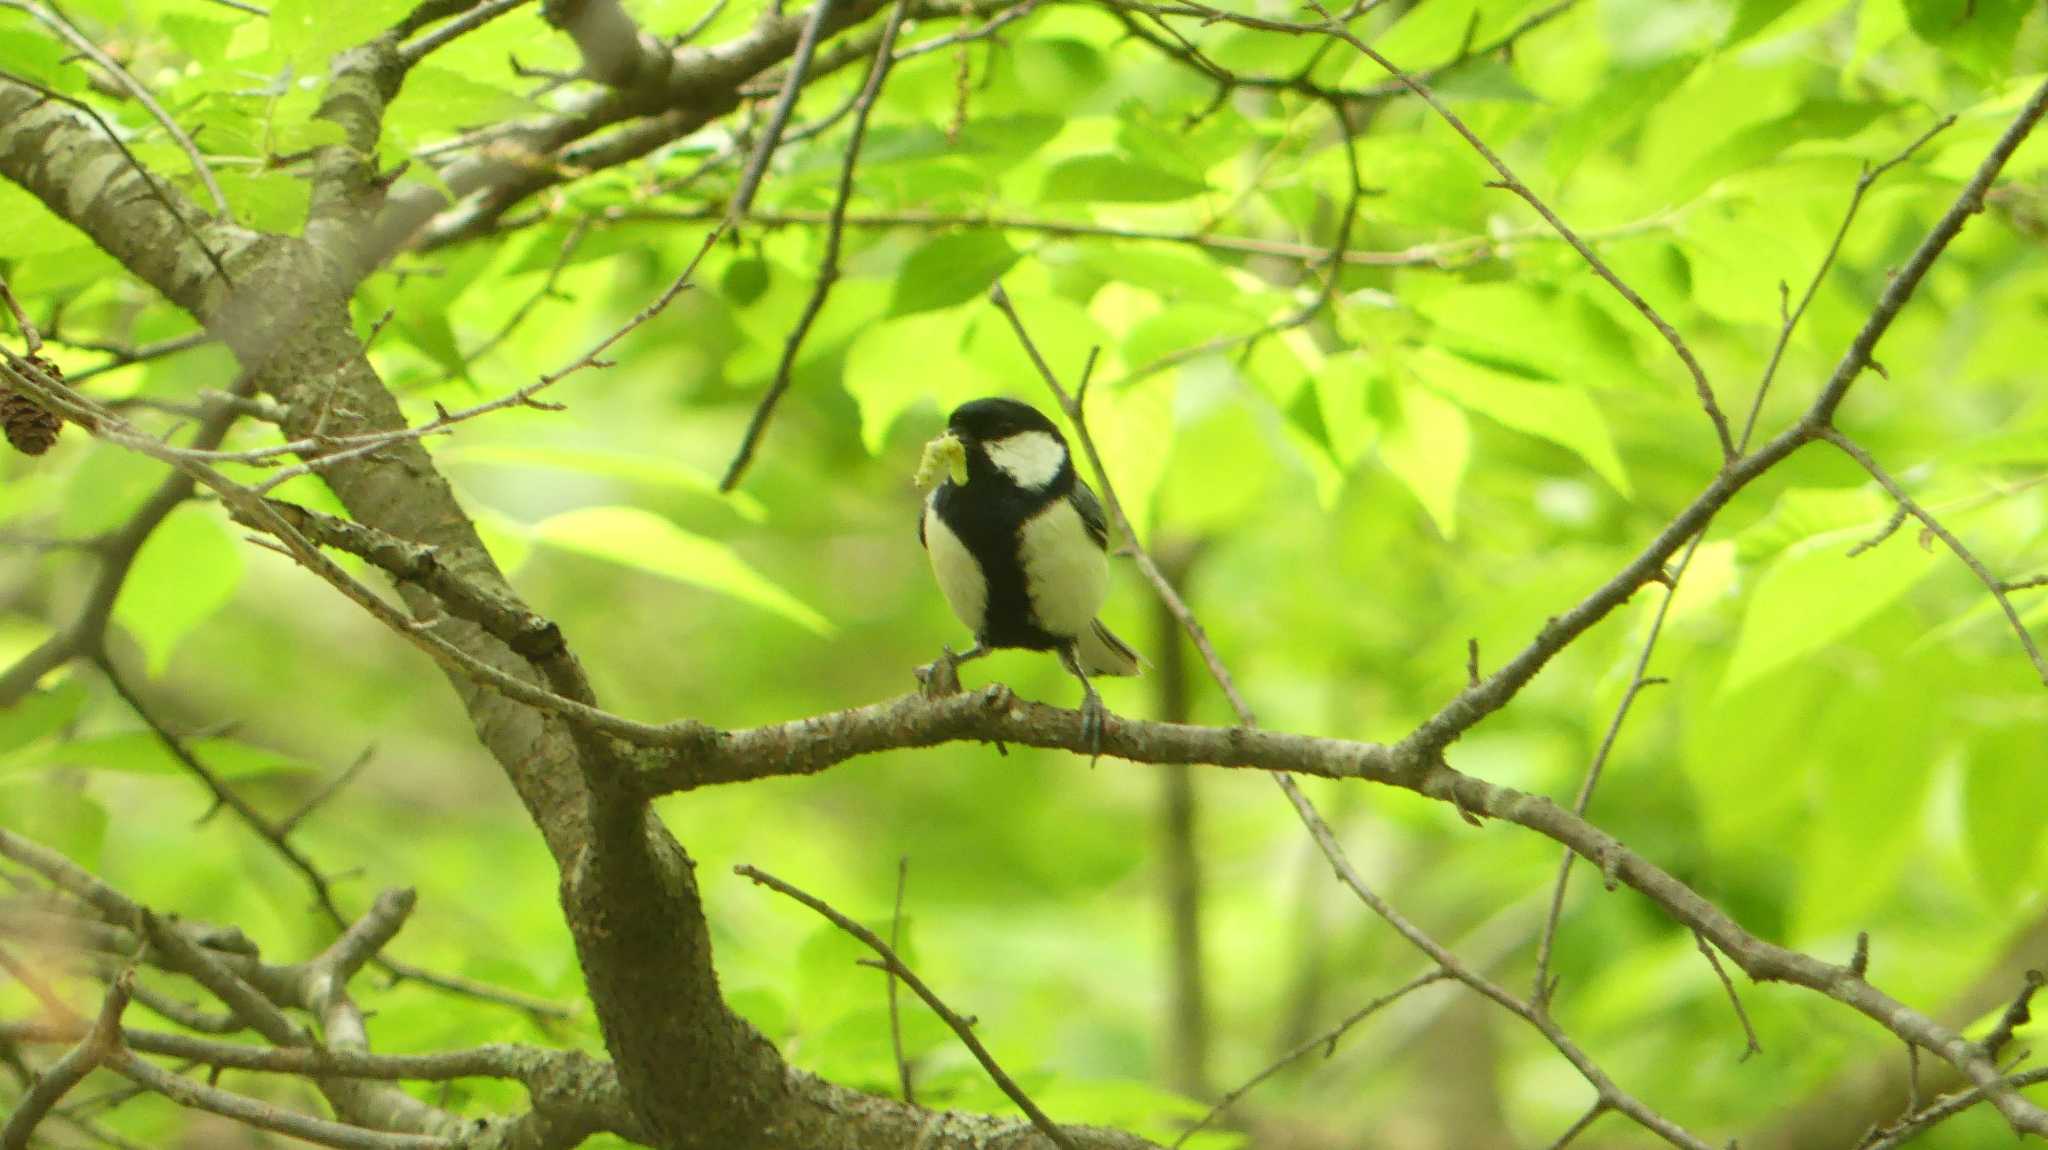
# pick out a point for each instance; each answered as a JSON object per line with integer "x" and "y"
{"x": 1093, "y": 714}
{"x": 940, "y": 677}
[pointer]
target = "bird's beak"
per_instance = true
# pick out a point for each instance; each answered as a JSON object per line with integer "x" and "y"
{"x": 944, "y": 458}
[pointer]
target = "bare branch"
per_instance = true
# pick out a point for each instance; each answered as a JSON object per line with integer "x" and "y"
{"x": 1326, "y": 1041}
{"x": 960, "y": 1026}
{"x": 1584, "y": 1123}
{"x": 97, "y": 1047}
{"x": 778, "y": 119}
{"x": 1750, "y": 1044}
{"x": 1864, "y": 181}
{"x": 84, "y": 45}
{"x": 828, "y": 265}
{"x": 2015, "y": 1016}
{"x": 411, "y": 54}
{"x": 1991, "y": 582}
{"x": 265, "y": 1116}
{"x": 32, "y": 340}
{"x": 895, "y": 1017}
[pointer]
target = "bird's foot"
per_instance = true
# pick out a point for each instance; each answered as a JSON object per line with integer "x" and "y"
{"x": 1093, "y": 715}
{"x": 940, "y": 677}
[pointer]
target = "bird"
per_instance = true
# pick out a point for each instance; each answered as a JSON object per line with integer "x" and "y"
{"x": 1018, "y": 544}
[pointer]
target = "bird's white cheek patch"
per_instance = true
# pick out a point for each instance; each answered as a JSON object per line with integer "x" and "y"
{"x": 959, "y": 575}
{"x": 1031, "y": 458}
{"x": 1065, "y": 572}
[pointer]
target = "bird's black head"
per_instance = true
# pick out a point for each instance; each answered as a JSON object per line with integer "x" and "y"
{"x": 1011, "y": 445}
{"x": 995, "y": 418}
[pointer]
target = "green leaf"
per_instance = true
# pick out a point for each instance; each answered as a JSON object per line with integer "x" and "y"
{"x": 1563, "y": 415}
{"x": 1863, "y": 832}
{"x": 187, "y": 570}
{"x": 142, "y": 753}
{"x": 1814, "y": 594}
{"x": 653, "y": 470}
{"x": 307, "y": 32}
{"x": 880, "y": 377}
{"x": 59, "y": 817}
{"x": 1105, "y": 178}
{"x": 950, "y": 269}
{"x": 39, "y": 58}
{"x": 1182, "y": 327}
{"x": 40, "y": 713}
{"x": 1977, "y": 33}
{"x": 1426, "y": 446}
{"x": 203, "y": 39}
{"x": 641, "y": 539}
{"x": 440, "y": 99}
{"x": 271, "y": 201}
{"x": 1344, "y": 388}
{"x": 2004, "y": 793}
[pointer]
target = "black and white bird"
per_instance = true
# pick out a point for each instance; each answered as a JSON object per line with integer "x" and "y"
{"x": 1017, "y": 542}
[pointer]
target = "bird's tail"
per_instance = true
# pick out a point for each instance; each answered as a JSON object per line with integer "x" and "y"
{"x": 1102, "y": 653}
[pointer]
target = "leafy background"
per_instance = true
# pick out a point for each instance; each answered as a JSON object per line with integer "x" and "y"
{"x": 1457, "y": 449}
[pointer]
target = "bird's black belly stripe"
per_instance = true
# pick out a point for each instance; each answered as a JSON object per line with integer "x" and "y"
{"x": 987, "y": 524}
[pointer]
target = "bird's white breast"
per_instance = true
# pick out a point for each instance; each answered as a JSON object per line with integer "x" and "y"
{"x": 1032, "y": 459}
{"x": 959, "y": 576}
{"x": 1065, "y": 573}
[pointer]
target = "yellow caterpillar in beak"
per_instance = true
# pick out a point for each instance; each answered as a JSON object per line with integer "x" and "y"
{"x": 944, "y": 456}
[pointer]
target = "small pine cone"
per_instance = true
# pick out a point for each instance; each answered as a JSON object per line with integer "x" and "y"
{"x": 30, "y": 428}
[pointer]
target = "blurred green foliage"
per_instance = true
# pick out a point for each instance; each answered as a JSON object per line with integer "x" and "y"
{"x": 1457, "y": 449}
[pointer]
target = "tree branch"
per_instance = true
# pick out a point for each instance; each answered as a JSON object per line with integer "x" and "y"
{"x": 828, "y": 264}
{"x": 959, "y": 1026}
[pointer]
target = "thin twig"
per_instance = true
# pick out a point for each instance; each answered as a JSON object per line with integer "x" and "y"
{"x": 1991, "y": 582}
{"x": 1750, "y": 1044}
{"x": 2016, "y": 1015}
{"x": 1585, "y": 1122}
{"x": 828, "y": 265}
{"x": 265, "y": 1116}
{"x": 31, "y": 339}
{"x": 149, "y": 179}
{"x": 895, "y": 1017}
{"x": 411, "y": 54}
{"x": 1327, "y": 1041}
{"x": 53, "y": 1004}
{"x": 85, "y": 46}
{"x": 130, "y": 356}
{"x": 320, "y": 798}
{"x": 102, "y": 1043}
{"x": 1609, "y": 1092}
{"x": 353, "y": 446}
{"x": 1869, "y": 176}
{"x": 1941, "y": 1109}
{"x": 959, "y": 1025}
{"x": 778, "y": 119}
{"x": 1447, "y": 254}
{"x": 1513, "y": 183}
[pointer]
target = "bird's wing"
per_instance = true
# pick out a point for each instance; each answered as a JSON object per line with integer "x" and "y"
{"x": 1090, "y": 510}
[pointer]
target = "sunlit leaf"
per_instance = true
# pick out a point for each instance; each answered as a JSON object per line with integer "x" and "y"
{"x": 1109, "y": 178}
{"x": 892, "y": 366}
{"x": 641, "y": 539}
{"x": 143, "y": 753}
{"x": 1426, "y": 445}
{"x": 1815, "y": 593}
{"x": 1560, "y": 413}
{"x": 2004, "y": 792}
{"x": 307, "y": 32}
{"x": 40, "y": 713}
{"x": 952, "y": 268}
{"x": 187, "y": 570}
{"x": 653, "y": 470}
